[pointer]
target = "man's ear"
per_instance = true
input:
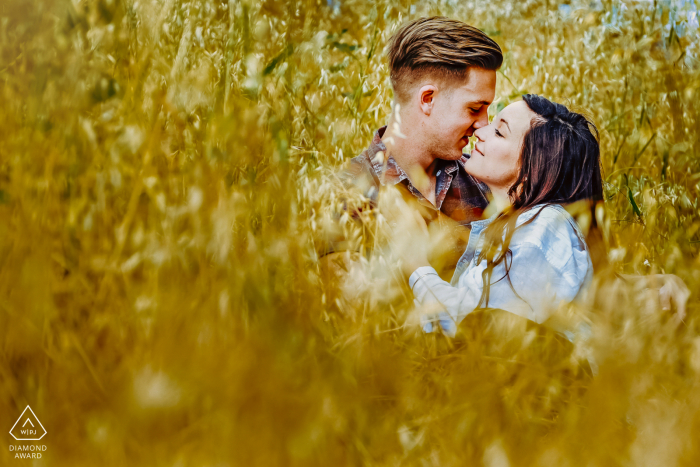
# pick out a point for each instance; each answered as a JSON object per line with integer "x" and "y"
{"x": 427, "y": 95}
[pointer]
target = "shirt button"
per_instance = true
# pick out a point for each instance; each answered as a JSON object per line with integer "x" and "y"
{"x": 438, "y": 174}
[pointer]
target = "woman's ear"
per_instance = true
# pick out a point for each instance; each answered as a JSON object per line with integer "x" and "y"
{"x": 427, "y": 95}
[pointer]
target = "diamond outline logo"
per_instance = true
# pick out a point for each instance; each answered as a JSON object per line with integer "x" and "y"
{"x": 30, "y": 422}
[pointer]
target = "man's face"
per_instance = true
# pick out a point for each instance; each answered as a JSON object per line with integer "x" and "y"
{"x": 457, "y": 112}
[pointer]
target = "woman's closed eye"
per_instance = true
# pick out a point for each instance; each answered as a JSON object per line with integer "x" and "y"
{"x": 498, "y": 133}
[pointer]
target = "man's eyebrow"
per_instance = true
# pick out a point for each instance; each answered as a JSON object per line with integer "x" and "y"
{"x": 486, "y": 103}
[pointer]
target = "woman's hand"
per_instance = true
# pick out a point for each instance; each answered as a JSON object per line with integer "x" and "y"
{"x": 410, "y": 240}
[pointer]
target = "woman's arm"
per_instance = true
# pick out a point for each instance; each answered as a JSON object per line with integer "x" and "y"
{"x": 533, "y": 288}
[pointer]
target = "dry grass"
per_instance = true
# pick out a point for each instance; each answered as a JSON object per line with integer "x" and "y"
{"x": 163, "y": 179}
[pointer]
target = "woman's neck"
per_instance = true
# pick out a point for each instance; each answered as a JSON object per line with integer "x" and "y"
{"x": 500, "y": 200}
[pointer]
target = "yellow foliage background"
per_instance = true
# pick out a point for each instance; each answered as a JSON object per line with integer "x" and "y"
{"x": 165, "y": 169}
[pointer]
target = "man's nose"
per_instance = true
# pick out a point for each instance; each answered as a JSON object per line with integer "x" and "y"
{"x": 476, "y": 133}
{"x": 482, "y": 121}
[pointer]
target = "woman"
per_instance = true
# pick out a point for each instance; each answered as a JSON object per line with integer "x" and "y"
{"x": 535, "y": 157}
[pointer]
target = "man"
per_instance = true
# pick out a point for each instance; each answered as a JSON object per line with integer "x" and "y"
{"x": 443, "y": 73}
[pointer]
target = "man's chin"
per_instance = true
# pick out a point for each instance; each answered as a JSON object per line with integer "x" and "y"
{"x": 451, "y": 156}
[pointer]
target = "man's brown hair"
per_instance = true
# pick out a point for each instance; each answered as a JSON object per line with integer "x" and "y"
{"x": 440, "y": 47}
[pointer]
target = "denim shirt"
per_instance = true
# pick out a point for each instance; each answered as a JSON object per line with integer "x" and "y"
{"x": 550, "y": 263}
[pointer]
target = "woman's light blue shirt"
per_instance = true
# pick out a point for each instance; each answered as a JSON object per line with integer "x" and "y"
{"x": 550, "y": 264}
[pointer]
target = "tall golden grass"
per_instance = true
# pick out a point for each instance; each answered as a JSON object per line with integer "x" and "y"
{"x": 164, "y": 175}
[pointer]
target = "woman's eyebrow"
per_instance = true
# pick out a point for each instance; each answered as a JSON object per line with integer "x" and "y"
{"x": 507, "y": 125}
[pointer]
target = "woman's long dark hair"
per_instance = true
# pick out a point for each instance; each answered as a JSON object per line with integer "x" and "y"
{"x": 559, "y": 164}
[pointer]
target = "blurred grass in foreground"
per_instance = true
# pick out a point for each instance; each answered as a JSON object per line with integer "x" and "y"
{"x": 163, "y": 178}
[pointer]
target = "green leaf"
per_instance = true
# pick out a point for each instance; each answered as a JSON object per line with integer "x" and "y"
{"x": 664, "y": 167}
{"x": 348, "y": 49}
{"x": 340, "y": 66}
{"x": 282, "y": 56}
{"x": 635, "y": 208}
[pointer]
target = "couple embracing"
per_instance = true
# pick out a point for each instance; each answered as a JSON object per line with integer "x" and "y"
{"x": 531, "y": 162}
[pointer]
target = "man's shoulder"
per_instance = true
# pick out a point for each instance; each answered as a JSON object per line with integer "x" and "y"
{"x": 359, "y": 173}
{"x": 361, "y": 166}
{"x": 357, "y": 165}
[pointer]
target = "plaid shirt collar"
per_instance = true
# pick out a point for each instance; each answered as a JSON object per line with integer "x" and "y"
{"x": 389, "y": 173}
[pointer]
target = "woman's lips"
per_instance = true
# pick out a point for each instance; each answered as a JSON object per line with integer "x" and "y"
{"x": 476, "y": 150}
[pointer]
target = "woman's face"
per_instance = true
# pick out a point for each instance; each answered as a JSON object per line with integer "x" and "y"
{"x": 496, "y": 156}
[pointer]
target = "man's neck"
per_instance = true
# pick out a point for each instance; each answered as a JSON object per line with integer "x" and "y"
{"x": 411, "y": 156}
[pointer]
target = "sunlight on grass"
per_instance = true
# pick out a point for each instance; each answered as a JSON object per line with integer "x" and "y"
{"x": 167, "y": 182}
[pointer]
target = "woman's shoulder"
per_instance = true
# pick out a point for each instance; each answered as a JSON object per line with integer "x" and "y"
{"x": 544, "y": 214}
{"x": 551, "y": 228}
{"x": 548, "y": 217}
